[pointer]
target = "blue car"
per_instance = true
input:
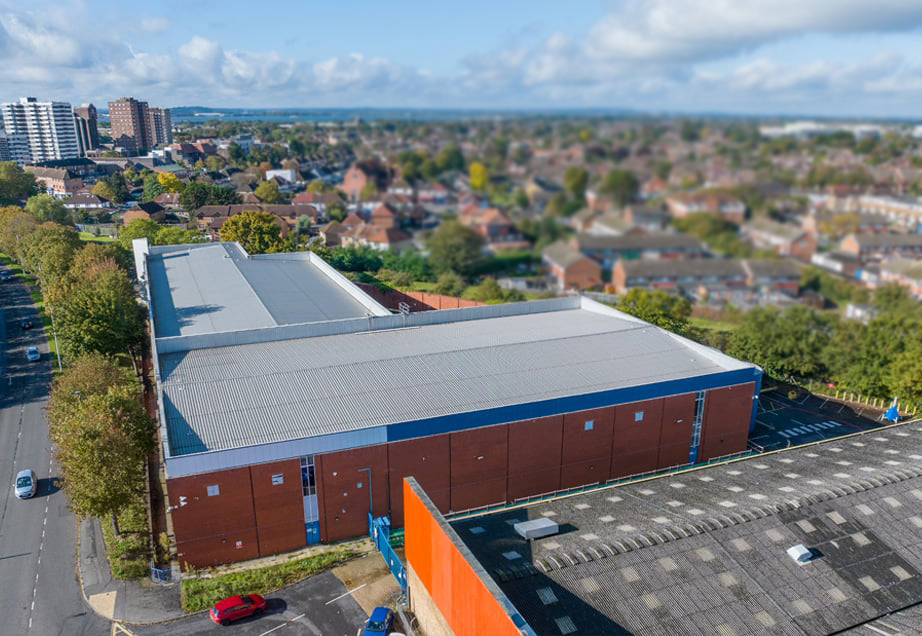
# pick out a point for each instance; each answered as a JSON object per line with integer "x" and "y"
{"x": 379, "y": 623}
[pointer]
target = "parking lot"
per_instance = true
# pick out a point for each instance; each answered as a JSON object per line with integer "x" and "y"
{"x": 782, "y": 422}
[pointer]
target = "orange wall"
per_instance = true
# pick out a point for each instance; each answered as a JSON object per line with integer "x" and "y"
{"x": 462, "y": 598}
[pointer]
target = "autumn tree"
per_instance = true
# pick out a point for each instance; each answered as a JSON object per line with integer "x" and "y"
{"x": 104, "y": 191}
{"x": 268, "y": 192}
{"x": 256, "y": 231}
{"x": 100, "y": 445}
{"x": 14, "y": 230}
{"x": 138, "y": 228}
{"x": 169, "y": 182}
{"x": 478, "y": 175}
{"x": 48, "y": 252}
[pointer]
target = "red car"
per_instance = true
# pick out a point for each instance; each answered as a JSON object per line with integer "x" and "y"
{"x": 234, "y": 608}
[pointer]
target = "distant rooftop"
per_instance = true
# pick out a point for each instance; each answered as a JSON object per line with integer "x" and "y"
{"x": 213, "y": 288}
{"x": 704, "y": 551}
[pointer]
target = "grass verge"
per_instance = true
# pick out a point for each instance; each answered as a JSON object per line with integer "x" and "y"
{"x": 129, "y": 554}
{"x": 201, "y": 593}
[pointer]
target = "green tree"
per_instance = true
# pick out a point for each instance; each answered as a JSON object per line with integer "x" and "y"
{"x": 454, "y": 247}
{"x": 784, "y": 343}
{"x": 100, "y": 449}
{"x": 118, "y": 187}
{"x": 450, "y": 284}
{"x": 575, "y": 179}
{"x": 15, "y": 183}
{"x": 319, "y": 185}
{"x": 44, "y": 208}
{"x": 449, "y": 158}
{"x": 48, "y": 252}
{"x": 16, "y": 228}
{"x": 489, "y": 291}
{"x": 96, "y": 310}
{"x": 659, "y": 308}
{"x": 152, "y": 187}
{"x": 256, "y": 231}
{"x": 214, "y": 163}
{"x": 621, "y": 185}
{"x": 268, "y": 192}
{"x": 369, "y": 190}
{"x": 138, "y": 228}
{"x": 194, "y": 196}
{"x": 409, "y": 261}
{"x": 98, "y": 254}
{"x": 303, "y": 225}
{"x": 86, "y": 375}
{"x": 103, "y": 190}
{"x": 235, "y": 153}
{"x": 175, "y": 235}
{"x": 478, "y": 175}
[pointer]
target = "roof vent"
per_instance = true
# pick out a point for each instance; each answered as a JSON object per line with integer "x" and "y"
{"x": 800, "y": 553}
{"x": 536, "y": 528}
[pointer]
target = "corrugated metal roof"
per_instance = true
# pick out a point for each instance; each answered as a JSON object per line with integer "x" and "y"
{"x": 229, "y": 397}
{"x": 216, "y": 288}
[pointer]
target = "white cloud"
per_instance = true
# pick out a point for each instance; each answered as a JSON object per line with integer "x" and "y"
{"x": 156, "y": 24}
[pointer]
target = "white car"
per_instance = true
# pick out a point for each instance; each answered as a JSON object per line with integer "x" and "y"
{"x": 32, "y": 354}
{"x": 26, "y": 484}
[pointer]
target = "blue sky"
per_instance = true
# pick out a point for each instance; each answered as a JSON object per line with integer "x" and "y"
{"x": 790, "y": 57}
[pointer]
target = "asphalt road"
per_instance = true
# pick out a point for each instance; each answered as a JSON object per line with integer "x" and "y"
{"x": 40, "y": 590}
{"x": 318, "y": 606}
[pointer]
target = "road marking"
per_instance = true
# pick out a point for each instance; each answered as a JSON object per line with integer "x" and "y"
{"x": 285, "y": 624}
{"x": 346, "y": 594}
{"x": 121, "y": 628}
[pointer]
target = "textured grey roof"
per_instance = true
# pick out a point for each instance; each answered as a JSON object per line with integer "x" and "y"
{"x": 215, "y": 288}
{"x": 236, "y": 396}
{"x": 562, "y": 254}
{"x": 703, "y": 552}
{"x": 638, "y": 241}
{"x": 870, "y": 240}
{"x": 693, "y": 267}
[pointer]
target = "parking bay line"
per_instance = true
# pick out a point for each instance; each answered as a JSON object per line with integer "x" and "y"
{"x": 346, "y": 594}
{"x": 285, "y": 624}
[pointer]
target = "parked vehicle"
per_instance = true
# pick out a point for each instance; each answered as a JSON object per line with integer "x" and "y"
{"x": 234, "y": 608}
{"x": 25, "y": 323}
{"x": 26, "y": 484}
{"x": 4, "y": 276}
{"x": 379, "y": 623}
{"x": 32, "y": 354}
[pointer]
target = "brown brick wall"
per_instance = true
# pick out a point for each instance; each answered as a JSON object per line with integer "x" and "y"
{"x": 207, "y": 528}
{"x": 428, "y": 460}
{"x": 279, "y": 508}
{"x": 342, "y": 503}
{"x": 725, "y": 426}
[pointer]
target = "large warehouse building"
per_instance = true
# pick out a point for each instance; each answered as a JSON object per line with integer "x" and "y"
{"x": 291, "y": 402}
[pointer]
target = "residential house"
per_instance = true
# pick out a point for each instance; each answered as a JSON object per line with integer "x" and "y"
{"x": 210, "y": 218}
{"x": 384, "y": 215}
{"x": 150, "y": 211}
{"x": 330, "y": 233}
{"x": 569, "y": 268}
{"x": 583, "y": 219}
{"x": 320, "y": 200}
{"x": 361, "y": 174}
{"x": 353, "y": 219}
{"x": 609, "y": 249}
{"x": 376, "y": 237}
{"x": 875, "y": 247}
{"x": 724, "y": 205}
{"x": 824, "y": 223}
{"x": 650, "y": 219}
{"x": 288, "y": 176}
{"x": 613, "y": 224}
{"x": 168, "y": 200}
{"x": 495, "y": 227}
{"x": 708, "y": 277}
{"x": 85, "y": 201}
{"x": 653, "y": 188}
{"x": 400, "y": 186}
{"x": 58, "y": 182}
{"x": 838, "y": 262}
{"x": 433, "y": 192}
{"x": 782, "y": 238}
{"x": 905, "y": 272}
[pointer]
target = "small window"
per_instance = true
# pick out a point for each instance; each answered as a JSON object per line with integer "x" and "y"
{"x": 278, "y": 480}
{"x": 213, "y": 490}
{"x": 588, "y": 425}
{"x": 638, "y": 416}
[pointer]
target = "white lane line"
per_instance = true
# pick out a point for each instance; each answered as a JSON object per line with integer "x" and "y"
{"x": 283, "y": 625}
{"x": 346, "y": 594}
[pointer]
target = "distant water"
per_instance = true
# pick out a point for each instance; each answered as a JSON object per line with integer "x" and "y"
{"x": 203, "y": 114}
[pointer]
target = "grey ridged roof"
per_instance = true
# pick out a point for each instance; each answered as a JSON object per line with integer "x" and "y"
{"x": 703, "y": 552}
{"x": 230, "y": 397}
{"x": 215, "y": 288}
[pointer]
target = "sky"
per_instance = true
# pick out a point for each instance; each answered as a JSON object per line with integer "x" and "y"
{"x": 838, "y": 58}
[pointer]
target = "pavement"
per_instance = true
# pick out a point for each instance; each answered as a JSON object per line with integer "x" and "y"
{"x": 41, "y": 592}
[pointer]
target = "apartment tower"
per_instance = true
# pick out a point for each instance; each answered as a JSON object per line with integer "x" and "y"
{"x": 85, "y": 120}
{"x": 47, "y": 127}
{"x": 130, "y": 121}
